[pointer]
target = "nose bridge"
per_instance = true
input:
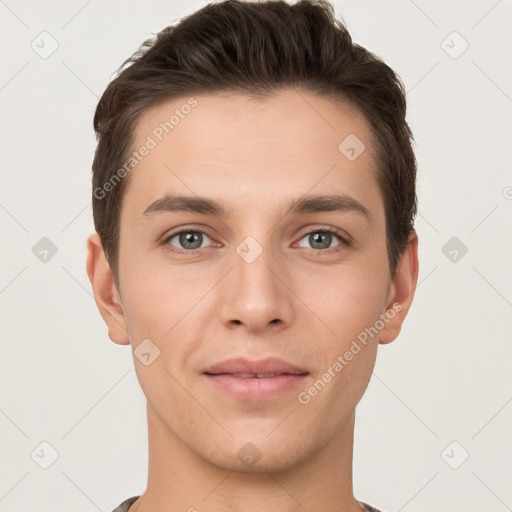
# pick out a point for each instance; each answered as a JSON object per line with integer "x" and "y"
{"x": 254, "y": 296}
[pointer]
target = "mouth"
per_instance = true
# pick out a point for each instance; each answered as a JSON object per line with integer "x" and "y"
{"x": 253, "y": 375}
{"x": 255, "y": 380}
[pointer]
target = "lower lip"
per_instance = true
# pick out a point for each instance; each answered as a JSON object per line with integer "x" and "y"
{"x": 253, "y": 388}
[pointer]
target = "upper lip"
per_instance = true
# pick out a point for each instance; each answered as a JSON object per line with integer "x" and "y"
{"x": 263, "y": 366}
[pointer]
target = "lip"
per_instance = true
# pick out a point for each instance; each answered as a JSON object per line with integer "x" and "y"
{"x": 244, "y": 365}
{"x": 232, "y": 377}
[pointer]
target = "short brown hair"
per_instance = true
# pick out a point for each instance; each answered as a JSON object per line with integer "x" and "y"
{"x": 257, "y": 49}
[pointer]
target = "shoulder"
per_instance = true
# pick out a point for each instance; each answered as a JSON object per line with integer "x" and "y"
{"x": 125, "y": 505}
{"x": 370, "y": 508}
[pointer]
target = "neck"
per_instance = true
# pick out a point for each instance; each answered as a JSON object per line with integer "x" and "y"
{"x": 181, "y": 480}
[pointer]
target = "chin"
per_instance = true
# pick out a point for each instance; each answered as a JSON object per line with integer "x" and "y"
{"x": 258, "y": 454}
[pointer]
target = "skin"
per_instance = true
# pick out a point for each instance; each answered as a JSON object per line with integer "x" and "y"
{"x": 296, "y": 301}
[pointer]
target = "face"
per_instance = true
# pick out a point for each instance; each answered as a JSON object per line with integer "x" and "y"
{"x": 276, "y": 249}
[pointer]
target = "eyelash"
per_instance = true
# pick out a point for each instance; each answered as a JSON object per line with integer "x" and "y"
{"x": 344, "y": 240}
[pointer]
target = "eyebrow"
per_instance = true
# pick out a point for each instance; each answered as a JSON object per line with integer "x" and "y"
{"x": 300, "y": 206}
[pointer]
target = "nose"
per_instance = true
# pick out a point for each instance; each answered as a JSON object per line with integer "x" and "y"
{"x": 256, "y": 295}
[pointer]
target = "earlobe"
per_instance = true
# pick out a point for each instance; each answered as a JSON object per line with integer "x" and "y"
{"x": 105, "y": 292}
{"x": 403, "y": 286}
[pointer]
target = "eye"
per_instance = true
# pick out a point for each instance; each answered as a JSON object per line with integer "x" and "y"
{"x": 322, "y": 239}
{"x": 186, "y": 240}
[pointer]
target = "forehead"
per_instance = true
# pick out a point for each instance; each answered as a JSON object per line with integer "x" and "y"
{"x": 233, "y": 146}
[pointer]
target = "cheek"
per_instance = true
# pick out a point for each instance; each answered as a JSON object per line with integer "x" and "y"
{"x": 169, "y": 308}
{"x": 347, "y": 299}
{"x": 150, "y": 304}
{"x": 347, "y": 350}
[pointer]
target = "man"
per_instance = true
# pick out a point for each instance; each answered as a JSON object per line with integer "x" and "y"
{"x": 254, "y": 198}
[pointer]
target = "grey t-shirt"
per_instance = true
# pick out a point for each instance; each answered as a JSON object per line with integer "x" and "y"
{"x": 127, "y": 504}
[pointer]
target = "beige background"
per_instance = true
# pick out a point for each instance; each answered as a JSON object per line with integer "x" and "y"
{"x": 446, "y": 379}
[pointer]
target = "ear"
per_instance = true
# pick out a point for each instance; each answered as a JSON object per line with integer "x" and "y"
{"x": 105, "y": 292}
{"x": 403, "y": 286}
